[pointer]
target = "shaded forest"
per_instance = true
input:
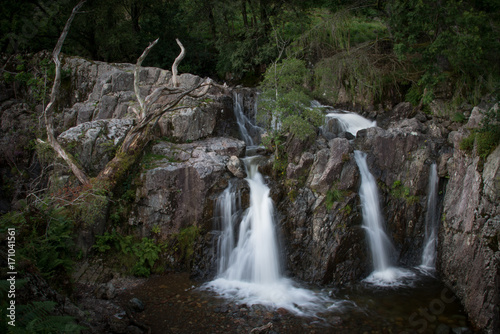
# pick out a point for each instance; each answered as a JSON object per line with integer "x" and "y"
{"x": 421, "y": 49}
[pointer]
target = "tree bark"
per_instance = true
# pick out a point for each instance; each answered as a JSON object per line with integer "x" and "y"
{"x": 77, "y": 171}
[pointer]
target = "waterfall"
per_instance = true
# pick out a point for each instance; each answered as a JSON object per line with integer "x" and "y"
{"x": 249, "y": 264}
{"x": 381, "y": 247}
{"x": 372, "y": 218}
{"x": 255, "y": 258}
{"x": 431, "y": 222}
{"x": 351, "y": 122}
{"x": 243, "y": 122}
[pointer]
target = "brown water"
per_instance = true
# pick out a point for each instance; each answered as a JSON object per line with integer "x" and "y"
{"x": 175, "y": 304}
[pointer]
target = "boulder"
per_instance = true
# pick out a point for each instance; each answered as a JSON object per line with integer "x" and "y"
{"x": 94, "y": 143}
{"x": 236, "y": 167}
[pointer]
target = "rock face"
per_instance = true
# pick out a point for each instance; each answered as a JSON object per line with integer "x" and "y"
{"x": 94, "y": 143}
{"x": 322, "y": 214}
{"x": 178, "y": 183}
{"x": 321, "y": 219}
{"x": 105, "y": 91}
{"x": 470, "y": 236}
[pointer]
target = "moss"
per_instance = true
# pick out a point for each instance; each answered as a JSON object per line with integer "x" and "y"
{"x": 186, "y": 241}
{"x": 398, "y": 190}
{"x": 292, "y": 194}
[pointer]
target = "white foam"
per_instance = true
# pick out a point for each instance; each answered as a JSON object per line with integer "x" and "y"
{"x": 391, "y": 277}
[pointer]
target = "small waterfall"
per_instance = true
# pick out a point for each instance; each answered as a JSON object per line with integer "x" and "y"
{"x": 249, "y": 264}
{"x": 431, "y": 222}
{"x": 380, "y": 246}
{"x": 227, "y": 209}
{"x": 351, "y": 122}
{"x": 243, "y": 122}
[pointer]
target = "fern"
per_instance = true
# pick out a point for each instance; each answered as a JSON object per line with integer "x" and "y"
{"x": 37, "y": 317}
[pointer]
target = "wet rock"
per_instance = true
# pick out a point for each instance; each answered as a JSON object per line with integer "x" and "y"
{"x": 133, "y": 330}
{"x": 175, "y": 190}
{"x": 136, "y": 305}
{"x": 105, "y": 291}
{"x": 461, "y": 330}
{"x": 118, "y": 323}
{"x": 236, "y": 167}
{"x": 468, "y": 247}
{"x": 302, "y": 168}
{"x": 442, "y": 329}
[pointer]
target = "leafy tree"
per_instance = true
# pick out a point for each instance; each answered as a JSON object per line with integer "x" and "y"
{"x": 284, "y": 103}
{"x": 453, "y": 41}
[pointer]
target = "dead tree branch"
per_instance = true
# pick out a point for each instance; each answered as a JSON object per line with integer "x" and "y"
{"x": 142, "y": 103}
{"x": 176, "y": 63}
{"x": 53, "y": 96}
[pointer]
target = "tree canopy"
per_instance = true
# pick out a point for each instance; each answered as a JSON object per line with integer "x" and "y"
{"x": 425, "y": 43}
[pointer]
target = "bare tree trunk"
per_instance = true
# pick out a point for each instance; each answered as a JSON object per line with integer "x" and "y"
{"x": 82, "y": 177}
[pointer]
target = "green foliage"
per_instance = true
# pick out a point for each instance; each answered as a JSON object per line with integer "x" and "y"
{"x": 34, "y": 76}
{"x": 35, "y": 317}
{"x": 144, "y": 253}
{"x": 485, "y": 139}
{"x": 346, "y": 210}
{"x": 467, "y": 144}
{"x": 458, "y": 117}
{"x": 361, "y": 73}
{"x": 284, "y": 105}
{"x": 44, "y": 238}
{"x": 185, "y": 242}
{"x": 454, "y": 42}
{"x": 333, "y": 195}
{"x": 334, "y": 32}
{"x": 399, "y": 190}
{"x": 38, "y": 317}
{"x": 84, "y": 204}
{"x": 147, "y": 252}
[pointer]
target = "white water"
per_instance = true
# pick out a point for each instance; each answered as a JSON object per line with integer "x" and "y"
{"x": 242, "y": 120}
{"x": 431, "y": 222}
{"x": 351, "y": 122}
{"x": 249, "y": 267}
{"x": 380, "y": 246}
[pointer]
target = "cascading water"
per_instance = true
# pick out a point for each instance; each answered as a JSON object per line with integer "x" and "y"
{"x": 248, "y": 253}
{"x": 243, "y": 121}
{"x": 351, "y": 122}
{"x": 380, "y": 245}
{"x": 255, "y": 258}
{"x": 431, "y": 222}
{"x": 249, "y": 267}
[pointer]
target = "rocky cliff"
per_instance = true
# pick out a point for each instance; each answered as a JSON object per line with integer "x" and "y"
{"x": 321, "y": 215}
{"x": 195, "y": 154}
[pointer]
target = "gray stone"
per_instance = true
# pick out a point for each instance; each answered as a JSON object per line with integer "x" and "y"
{"x": 136, "y": 305}
{"x": 236, "y": 167}
{"x": 94, "y": 143}
{"x": 173, "y": 193}
{"x": 105, "y": 291}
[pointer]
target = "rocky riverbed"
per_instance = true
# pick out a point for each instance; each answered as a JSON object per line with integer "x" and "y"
{"x": 173, "y": 303}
